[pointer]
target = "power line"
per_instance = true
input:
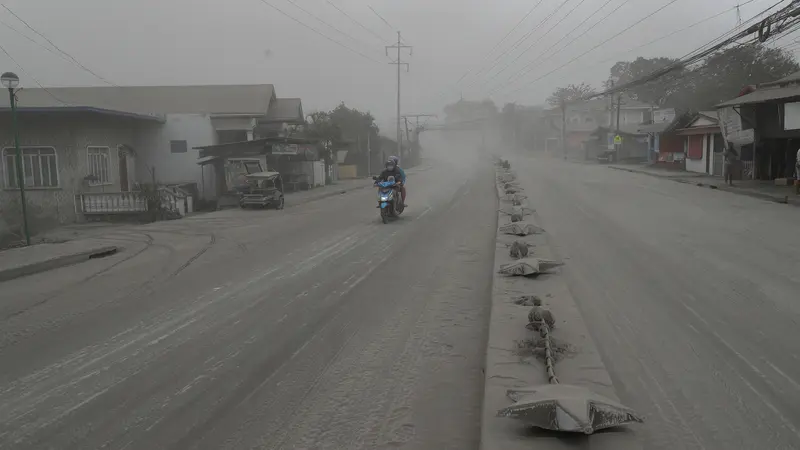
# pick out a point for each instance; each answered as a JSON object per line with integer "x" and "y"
{"x": 382, "y": 19}
{"x": 355, "y": 21}
{"x": 786, "y": 18}
{"x": 30, "y": 75}
{"x": 530, "y": 66}
{"x": 303, "y": 24}
{"x": 530, "y": 11}
{"x": 58, "y": 48}
{"x": 53, "y": 52}
{"x": 601, "y": 43}
{"x": 301, "y": 8}
{"x": 519, "y": 41}
{"x": 534, "y": 43}
{"x": 511, "y": 80}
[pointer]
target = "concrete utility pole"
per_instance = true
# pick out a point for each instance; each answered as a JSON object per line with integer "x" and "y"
{"x": 399, "y": 62}
{"x": 564, "y": 127}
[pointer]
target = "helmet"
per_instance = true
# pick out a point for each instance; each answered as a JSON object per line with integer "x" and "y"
{"x": 390, "y": 165}
{"x": 395, "y": 160}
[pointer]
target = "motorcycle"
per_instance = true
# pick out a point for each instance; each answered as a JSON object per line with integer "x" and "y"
{"x": 389, "y": 198}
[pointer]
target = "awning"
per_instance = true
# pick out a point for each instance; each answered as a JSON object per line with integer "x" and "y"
{"x": 763, "y": 96}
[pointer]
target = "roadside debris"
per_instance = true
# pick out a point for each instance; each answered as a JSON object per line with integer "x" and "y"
{"x": 529, "y": 267}
{"x": 521, "y": 229}
{"x": 538, "y": 315}
{"x": 527, "y": 300}
{"x": 552, "y": 406}
{"x": 518, "y": 250}
{"x": 562, "y": 407}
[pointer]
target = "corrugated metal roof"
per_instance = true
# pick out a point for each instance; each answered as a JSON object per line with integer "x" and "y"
{"x": 288, "y": 110}
{"x": 654, "y": 127}
{"x": 795, "y": 77}
{"x": 85, "y": 109}
{"x": 764, "y": 95}
{"x": 208, "y": 99}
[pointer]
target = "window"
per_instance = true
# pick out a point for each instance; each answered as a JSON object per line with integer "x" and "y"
{"x": 228, "y": 136}
{"x": 39, "y": 166}
{"x": 98, "y": 161}
{"x": 178, "y": 147}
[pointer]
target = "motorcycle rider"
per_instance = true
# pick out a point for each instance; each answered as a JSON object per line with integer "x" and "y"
{"x": 391, "y": 169}
{"x": 402, "y": 177}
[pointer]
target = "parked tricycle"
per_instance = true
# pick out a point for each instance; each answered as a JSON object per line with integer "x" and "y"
{"x": 264, "y": 189}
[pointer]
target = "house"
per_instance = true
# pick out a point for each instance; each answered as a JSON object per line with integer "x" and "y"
{"x": 633, "y": 144}
{"x": 764, "y": 125}
{"x": 66, "y": 151}
{"x": 87, "y": 141}
{"x": 665, "y": 146}
{"x": 582, "y": 119}
{"x": 703, "y": 143}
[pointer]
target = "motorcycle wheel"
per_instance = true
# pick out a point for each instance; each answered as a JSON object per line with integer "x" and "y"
{"x": 384, "y": 216}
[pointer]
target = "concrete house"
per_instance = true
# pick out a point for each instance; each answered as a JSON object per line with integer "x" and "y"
{"x": 583, "y": 119}
{"x": 85, "y": 141}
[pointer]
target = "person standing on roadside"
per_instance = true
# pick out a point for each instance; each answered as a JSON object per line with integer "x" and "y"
{"x": 730, "y": 160}
{"x": 797, "y": 173}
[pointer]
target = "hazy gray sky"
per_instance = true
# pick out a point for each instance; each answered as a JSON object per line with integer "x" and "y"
{"x": 143, "y": 42}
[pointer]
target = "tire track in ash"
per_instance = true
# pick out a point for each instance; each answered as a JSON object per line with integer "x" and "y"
{"x": 212, "y": 240}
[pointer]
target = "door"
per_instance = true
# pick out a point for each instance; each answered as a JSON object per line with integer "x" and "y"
{"x": 123, "y": 171}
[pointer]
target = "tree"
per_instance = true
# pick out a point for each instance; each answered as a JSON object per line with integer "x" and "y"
{"x": 655, "y": 93}
{"x": 725, "y": 73}
{"x": 570, "y": 93}
{"x": 721, "y": 76}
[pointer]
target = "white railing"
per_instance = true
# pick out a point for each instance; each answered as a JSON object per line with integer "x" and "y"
{"x": 111, "y": 203}
{"x": 172, "y": 199}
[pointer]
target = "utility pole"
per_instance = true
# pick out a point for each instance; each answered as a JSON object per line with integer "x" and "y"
{"x": 564, "y": 127}
{"x": 369, "y": 154}
{"x": 399, "y": 62}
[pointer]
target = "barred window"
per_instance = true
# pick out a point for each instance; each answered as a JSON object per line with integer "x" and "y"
{"x": 39, "y": 167}
{"x": 98, "y": 160}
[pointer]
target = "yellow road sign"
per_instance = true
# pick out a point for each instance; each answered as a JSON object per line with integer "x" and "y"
{"x": 617, "y": 140}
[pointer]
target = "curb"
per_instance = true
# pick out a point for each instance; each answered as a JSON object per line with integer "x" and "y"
{"x": 766, "y": 197}
{"x": 57, "y": 262}
{"x": 510, "y": 364}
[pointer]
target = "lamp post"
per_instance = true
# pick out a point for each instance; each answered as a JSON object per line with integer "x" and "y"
{"x": 10, "y": 81}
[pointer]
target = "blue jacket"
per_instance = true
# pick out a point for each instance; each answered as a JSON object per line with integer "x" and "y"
{"x": 402, "y": 174}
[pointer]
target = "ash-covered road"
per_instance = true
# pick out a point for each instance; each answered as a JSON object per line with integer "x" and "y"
{"x": 692, "y": 296}
{"x": 314, "y": 327}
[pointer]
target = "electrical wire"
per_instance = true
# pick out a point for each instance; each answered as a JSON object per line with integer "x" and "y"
{"x": 531, "y": 65}
{"x": 58, "y": 48}
{"x": 314, "y": 30}
{"x": 624, "y": 30}
{"x": 534, "y": 43}
{"x": 356, "y": 21}
{"x": 699, "y": 22}
{"x": 519, "y": 41}
{"x": 485, "y": 57}
{"x": 322, "y": 21}
{"x": 382, "y": 19}
{"x": 530, "y": 11}
{"x": 30, "y": 75}
{"x": 696, "y": 55}
{"x": 50, "y": 50}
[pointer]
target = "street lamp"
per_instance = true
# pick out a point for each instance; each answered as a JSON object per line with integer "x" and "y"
{"x": 10, "y": 81}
